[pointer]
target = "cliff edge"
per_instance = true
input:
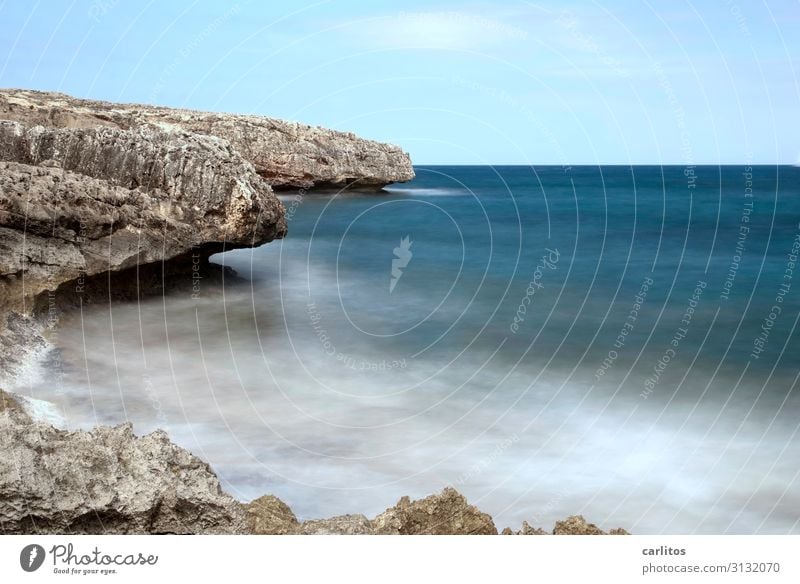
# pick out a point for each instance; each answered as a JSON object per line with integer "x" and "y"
{"x": 285, "y": 154}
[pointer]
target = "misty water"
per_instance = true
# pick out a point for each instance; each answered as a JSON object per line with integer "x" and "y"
{"x": 550, "y": 341}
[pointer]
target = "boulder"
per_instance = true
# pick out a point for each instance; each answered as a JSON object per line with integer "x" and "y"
{"x": 268, "y": 515}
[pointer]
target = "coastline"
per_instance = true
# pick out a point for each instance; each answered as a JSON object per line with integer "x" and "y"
{"x": 100, "y": 184}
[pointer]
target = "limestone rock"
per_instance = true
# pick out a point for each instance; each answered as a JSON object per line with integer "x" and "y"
{"x": 527, "y": 529}
{"x": 341, "y": 525}
{"x": 8, "y": 403}
{"x": 107, "y": 481}
{"x": 447, "y": 513}
{"x": 112, "y": 199}
{"x": 285, "y": 154}
{"x": 268, "y": 515}
{"x": 576, "y": 525}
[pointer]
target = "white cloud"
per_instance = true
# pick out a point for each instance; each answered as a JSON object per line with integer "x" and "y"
{"x": 443, "y": 30}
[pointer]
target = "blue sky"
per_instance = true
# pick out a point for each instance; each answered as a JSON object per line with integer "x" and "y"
{"x": 452, "y": 82}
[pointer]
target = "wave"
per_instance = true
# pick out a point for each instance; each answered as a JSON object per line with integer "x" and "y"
{"x": 428, "y": 192}
{"x": 42, "y": 411}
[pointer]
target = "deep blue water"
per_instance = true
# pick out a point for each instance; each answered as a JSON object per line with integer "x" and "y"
{"x": 614, "y": 341}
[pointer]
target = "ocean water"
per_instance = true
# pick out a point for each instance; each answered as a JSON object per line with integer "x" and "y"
{"x": 618, "y": 342}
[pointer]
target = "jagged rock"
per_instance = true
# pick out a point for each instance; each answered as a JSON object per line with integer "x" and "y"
{"x": 105, "y": 481}
{"x": 341, "y": 525}
{"x": 445, "y": 514}
{"x": 576, "y": 525}
{"x": 268, "y": 515}
{"x": 112, "y": 199}
{"x": 285, "y": 154}
{"x": 527, "y": 529}
{"x": 619, "y": 531}
{"x": 8, "y": 403}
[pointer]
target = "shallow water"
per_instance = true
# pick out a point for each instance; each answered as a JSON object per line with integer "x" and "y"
{"x": 495, "y": 357}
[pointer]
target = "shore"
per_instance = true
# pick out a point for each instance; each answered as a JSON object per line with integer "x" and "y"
{"x": 102, "y": 202}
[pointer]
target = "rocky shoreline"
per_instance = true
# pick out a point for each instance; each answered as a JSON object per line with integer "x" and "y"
{"x": 110, "y": 481}
{"x": 102, "y": 201}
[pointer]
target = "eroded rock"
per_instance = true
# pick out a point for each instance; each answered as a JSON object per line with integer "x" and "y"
{"x": 268, "y": 515}
{"x": 576, "y": 525}
{"x": 109, "y": 199}
{"x": 447, "y": 513}
{"x": 107, "y": 481}
{"x": 285, "y": 154}
{"x": 526, "y": 529}
{"x": 341, "y": 525}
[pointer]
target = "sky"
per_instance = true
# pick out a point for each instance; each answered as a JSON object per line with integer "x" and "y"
{"x": 505, "y": 82}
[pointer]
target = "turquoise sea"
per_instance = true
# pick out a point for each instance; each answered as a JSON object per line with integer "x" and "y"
{"x": 618, "y": 342}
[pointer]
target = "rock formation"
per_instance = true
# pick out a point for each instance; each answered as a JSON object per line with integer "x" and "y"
{"x": 106, "y": 481}
{"x": 95, "y": 196}
{"x": 109, "y": 481}
{"x": 527, "y": 529}
{"x": 285, "y": 154}
{"x": 268, "y": 515}
{"x": 76, "y": 202}
{"x": 577, "y": 525}
{"x": 341, "y": 525}
{"x": 447, "y": 513}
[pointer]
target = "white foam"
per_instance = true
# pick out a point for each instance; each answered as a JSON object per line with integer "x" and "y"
{"x": 31, "y": 372}
{"x": 42, "y": 411}
{"x": 422, "y": 192}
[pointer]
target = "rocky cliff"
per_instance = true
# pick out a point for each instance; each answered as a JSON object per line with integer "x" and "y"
{"x": 285, "y": 154}
{"x": 98, "y": 199}
{"x": 76, "y": 202}
{"x": 90, "y": 188}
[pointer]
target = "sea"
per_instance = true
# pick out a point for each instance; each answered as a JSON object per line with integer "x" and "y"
{"x": 618, "y": 342}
